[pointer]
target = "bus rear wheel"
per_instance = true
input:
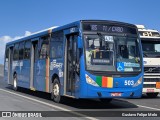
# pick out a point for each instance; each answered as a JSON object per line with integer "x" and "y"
{"x": 55, "y": 94}
{"x": 152, "y": 95}
{"x": 15, "y": 82}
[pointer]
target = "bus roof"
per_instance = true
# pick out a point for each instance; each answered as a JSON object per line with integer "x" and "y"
{"x": 43, "y": 32}
{"x": 110, "y": 22}
{"x": 57, "y": 28}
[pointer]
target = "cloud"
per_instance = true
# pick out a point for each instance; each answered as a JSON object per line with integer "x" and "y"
{"x": 4, "y": 40}
{"x": 27, "y": 33}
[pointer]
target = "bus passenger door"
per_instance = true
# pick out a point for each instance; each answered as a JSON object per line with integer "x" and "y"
{"x": 41, "y": 64}
{"x": 33, "y": 61}
{"x": 71, "y": 64}
{"x": 10, "y": 60}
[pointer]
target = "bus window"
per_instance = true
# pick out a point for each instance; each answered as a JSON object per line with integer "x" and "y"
{"x": 123, "y": 51}
{"x": 27, "y": 50}
{"x": 6, "y": 60}
{"x": 21, "y": 50}
{"x": 44, "y": 48}
{"x": 7, "y": 54}
{"x": 56, "y": 49}
{"x": 16, "y": 52}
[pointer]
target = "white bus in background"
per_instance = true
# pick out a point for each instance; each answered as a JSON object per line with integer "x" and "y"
{"x": 151, "y": 56}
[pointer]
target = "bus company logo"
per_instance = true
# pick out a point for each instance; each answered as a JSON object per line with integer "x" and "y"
{"x": 147, "y": 34}
{"x": 54, "y": 64}
{"x": 6, "y": 114}
{"x": 57, "y": 65}
{"x": 17, "y": 63}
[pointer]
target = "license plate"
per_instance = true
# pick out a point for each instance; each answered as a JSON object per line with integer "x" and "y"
{"x": 150, "y": 90}
{"x": 116, "y": 94}
{"x": 158, "y": 85}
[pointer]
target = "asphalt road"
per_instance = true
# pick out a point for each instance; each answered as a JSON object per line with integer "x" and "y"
{"x": 26, "y": 100}
{"x": 1, "y": 70}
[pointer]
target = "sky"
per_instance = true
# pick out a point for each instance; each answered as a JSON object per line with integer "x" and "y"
{"x": 20, "y": 18}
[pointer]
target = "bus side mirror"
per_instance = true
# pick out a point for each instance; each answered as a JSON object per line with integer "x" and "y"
{"x": 80, "y": 43}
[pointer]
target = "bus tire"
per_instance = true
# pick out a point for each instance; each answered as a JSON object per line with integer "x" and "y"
{"x": 152, "y": 95}
{"x": 15, "y": 82}
{"x": 105, "y": 100}
{"x": 55, "y": 94}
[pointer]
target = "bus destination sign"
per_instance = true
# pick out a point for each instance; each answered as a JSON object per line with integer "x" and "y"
{"x": 109, "y": 28}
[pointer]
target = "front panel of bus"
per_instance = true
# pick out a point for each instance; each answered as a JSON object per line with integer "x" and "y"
{"x": 112, "y": 61}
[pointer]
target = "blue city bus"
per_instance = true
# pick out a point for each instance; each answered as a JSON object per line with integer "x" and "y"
{"x": 84, "y": 59}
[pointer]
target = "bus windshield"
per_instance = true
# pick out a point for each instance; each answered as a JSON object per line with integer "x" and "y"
{"x": 151, "y": 48}
{"x": 112, "y": 53}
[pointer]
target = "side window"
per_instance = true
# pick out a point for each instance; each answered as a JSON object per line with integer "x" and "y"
{"x": 27, "y": 50}
{"x": 75, "y": 48}
{"x": 44, "y": 47}
{"x": 56, "y": 50}
{"x": 21, "y": 50}
{"x": 7, "y": 53}
{"x": 16, "y": 52}
{"x": 157, "y": 47}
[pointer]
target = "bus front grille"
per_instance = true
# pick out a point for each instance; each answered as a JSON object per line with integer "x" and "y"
{"x": 149, "y": 85}
{"x": 151, "y": 79}
{"x": 152, "y": 69}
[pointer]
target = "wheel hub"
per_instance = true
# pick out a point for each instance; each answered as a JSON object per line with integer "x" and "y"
{"x": 56, "y": 90}
{"x": 15, "y": 83}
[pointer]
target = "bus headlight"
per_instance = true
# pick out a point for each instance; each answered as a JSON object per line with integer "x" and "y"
{"x": 90, "y": 81}
{"x": 138, "y": 82}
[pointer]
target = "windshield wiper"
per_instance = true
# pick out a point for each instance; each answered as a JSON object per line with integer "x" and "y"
{"x": 144, "y": 54}
{"x": 100, "y": 36}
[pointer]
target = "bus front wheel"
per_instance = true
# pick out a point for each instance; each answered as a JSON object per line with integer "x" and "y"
{"x": 15, "y": 82}
{"x": 55, "y": 94}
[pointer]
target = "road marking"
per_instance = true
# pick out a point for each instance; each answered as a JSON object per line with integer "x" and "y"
{"x": 64, "y": 109}
{"x": 50, "y": 105}
{"x": 148, "y": 107}
{"x": 144, "y": 106}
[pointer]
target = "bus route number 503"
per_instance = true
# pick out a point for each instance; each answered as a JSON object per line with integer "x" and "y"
{"x": 128, "y": 82}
